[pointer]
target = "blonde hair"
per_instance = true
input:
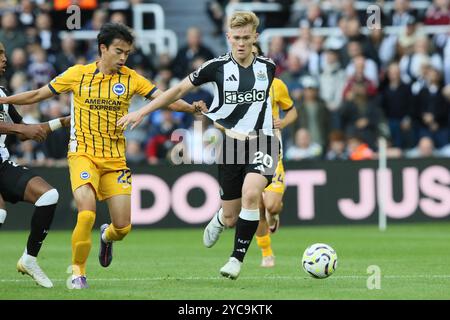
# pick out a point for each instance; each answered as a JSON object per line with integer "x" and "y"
{"x": 242, "y": 19}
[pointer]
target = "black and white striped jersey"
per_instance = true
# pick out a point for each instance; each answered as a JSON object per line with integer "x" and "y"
{"x": 241, "y": 95}
{"x": 9, "y": 114}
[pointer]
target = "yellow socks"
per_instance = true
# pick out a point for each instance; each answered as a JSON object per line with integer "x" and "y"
{"x": 114, "y": 234}
{"x": 264, "y": 243}
{"x": 81, "y": 241}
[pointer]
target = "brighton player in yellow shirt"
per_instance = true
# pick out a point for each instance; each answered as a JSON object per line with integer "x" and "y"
{"x": 101, "y": 94}
{"x": 273, "y": 195}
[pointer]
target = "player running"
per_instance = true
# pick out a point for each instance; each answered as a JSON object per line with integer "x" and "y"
{"x": 101, "y": 92}
{"x": 18, "y": 183}
{"x": 242, "y": 107}
{"x": 272, "y": 203}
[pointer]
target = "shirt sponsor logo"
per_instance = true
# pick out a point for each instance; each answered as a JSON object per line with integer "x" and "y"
{"x": 234, "y": 97}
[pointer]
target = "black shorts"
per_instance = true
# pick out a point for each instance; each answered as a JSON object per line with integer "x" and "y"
{"x": 14, "y": 180}
{"x": 259, "y": 155}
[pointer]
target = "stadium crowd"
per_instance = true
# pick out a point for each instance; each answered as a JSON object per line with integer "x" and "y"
{"x": 349, "y": 88}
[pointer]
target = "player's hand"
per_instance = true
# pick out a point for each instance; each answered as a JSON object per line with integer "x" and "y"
{"x": 133, "y": 118}
{"x": 33, "y": 132}
{"x": 200, "y": 106}
{"x": 4, "y": 100}
{"x": 65, "y": 121}
{"x": 277, "y": 123}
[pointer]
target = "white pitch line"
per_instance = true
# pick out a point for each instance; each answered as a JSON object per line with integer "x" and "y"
{"x": 288, "y": 278}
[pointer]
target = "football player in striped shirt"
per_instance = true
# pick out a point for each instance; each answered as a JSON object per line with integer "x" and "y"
{"x": 100, "y": 92}
{"x": 242, "y": 108}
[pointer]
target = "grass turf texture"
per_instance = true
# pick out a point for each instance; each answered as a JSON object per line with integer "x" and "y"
{"x": 173, "y": 264}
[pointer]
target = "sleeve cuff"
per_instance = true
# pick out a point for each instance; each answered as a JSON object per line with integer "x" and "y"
{"x": 192, "y": 81}
{"x": 286, "y": 110}
{"x": 149, "y": 95}
{"x": 52, "y": 89}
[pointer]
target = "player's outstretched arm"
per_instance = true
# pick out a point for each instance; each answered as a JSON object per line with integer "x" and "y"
{"x": 164, "y": 99}
{"x": 183, "y": 106}
{"x": 55, "y": 124}
{"x": 25, "y": 131}
{"x": 28, "y": 97}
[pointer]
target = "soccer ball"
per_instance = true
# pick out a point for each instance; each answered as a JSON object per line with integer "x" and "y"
{"x": 319, "y": 260}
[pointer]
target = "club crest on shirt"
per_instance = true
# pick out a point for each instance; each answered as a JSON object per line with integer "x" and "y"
{"x": 85, "y": 175}
{"x": 118, "y": 89}
{"x": 261, "y": 76}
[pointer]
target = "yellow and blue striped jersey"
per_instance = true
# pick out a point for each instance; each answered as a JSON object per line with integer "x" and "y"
{"x": 98, "y": 101}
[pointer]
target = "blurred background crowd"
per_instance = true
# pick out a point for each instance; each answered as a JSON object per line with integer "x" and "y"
{"x": 350, "y": 86}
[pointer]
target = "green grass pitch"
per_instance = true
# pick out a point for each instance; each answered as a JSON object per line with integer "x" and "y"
{"x": 173, "y": 264}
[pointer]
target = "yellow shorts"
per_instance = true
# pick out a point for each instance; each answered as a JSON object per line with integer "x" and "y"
{"x": 108, "y": 176}
{"x": 277, "y": 184}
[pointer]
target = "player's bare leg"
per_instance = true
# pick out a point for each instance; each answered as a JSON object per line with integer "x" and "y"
{"x": 226, "y": 217}
{"x": 120, "y": 212}
{"x": 44, "y": 197}
{"x": 273, "y": 201}
{"x": 269, "y": 211}
{"x": 246, "y": 224}
{"x": 85, "y": 200}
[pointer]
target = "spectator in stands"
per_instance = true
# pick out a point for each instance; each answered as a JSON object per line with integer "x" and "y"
{"x": 358, "y": 149}
{"x": 401, "y": 14}
{"x": 332, "y": 82}
{"x": 118, "y": 17}
{"x": 370, "y": 68}
{"x": 424, "y": 149}
{"x": 337, "y": 149}
{"x": 316, "y": 61}
{"x": 301, "y": 46}
{"x": 10, "y": 35}
{"x": 159, "y": 144}
{"x": 408, "y": 36}
{"x": 26, "y": 14}
{"x": 99, "y": 18}
{"x": 46, "y": 37}
{"x": 40, "y": 71}
{"x": 334, "y": 12}
{"x": 385, "y": 45}
{"x": 66, "y": 57}
{"x": 438, "y": 13}
{"x": 361, "y": 115}
{"x": 303, "y": 147}
{"x": 359, "y": 76}
{"x": 411, "y": 64}
{"x": 396, "y": 101}
{"x": 277, "y": 52}
{"x": 353, "y": 34}
{"x": 348, "y": 11}
{"x": 19, "y": 82}
{"x": 313, "y": 114}
{"x": 193, "y": 49}
{"x": 312, "y": 18}
{"x": 431, "y": 109}
{"x": 292, "y": 76}
{"x": 18, "y": 62}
